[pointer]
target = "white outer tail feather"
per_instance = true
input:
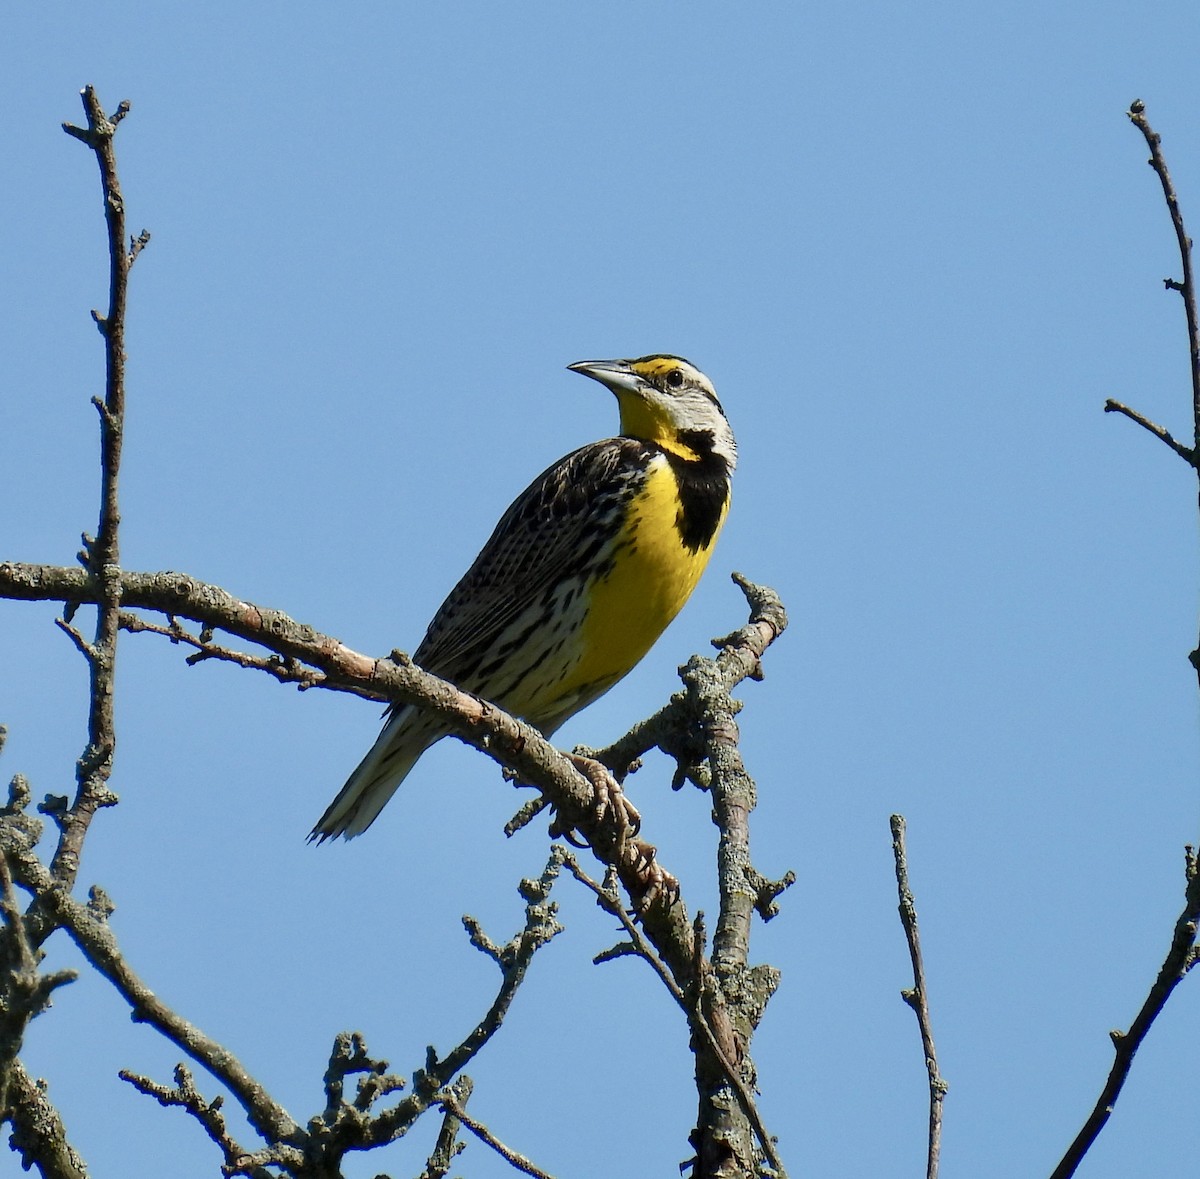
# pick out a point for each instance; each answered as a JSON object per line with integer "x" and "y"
{"x": 376, "y": 778}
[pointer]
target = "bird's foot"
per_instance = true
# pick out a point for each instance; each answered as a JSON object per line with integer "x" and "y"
{"x": 609, "y": 804}
{"x": 609, "y": 795}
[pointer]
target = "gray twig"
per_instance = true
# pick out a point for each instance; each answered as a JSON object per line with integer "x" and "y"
{"x": 1186, "y": 288}
{"x": 1182, "y": 953}
{"x": 103, "y": 552}
{"x": 184, "y": 1095}
{"x": 453, "y": 1106}
{"x": 1180, "y": 958}
{"x": 609, "y": 900}
{"x": 1160, "y": 432}
{"x": 285, "y": 669}
{"x": 348, "y": 1126}
{"x": 918, "y": 997}
{"x": 95, "y": 939}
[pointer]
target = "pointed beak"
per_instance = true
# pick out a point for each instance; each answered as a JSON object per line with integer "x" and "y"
{"x": 615, "y": 374}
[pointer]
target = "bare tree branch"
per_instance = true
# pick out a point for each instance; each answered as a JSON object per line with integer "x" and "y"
{"x": 1160, "y": 432}
{"x": 513, "y": 959}
{"x": 1180, "y": 958}
{"x": 38, "y": 1135}
{"x": 24, "y": 991}
{"x": 103, "y": 552}
{"x": 447, "y": 1148}
{"x": 90, "y": 931}
{"x": 918, "y": 997}
{"x": 285, "y": 670}
{"x": 394, "y": 678}
{"x": 452, "y": 1105}
{"x": 24, "y": 994}
{"x": 1182, "y": 954}
{"x": 730, "y": 996}
{"x": 1187, "y": 288}
{"x": 184, "y": 1095}
{"x": 609, "y": 900}
{"x": 345, "y": 1124}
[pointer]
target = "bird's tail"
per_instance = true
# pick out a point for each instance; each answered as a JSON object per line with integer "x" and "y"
{"x": 407, "y": 734}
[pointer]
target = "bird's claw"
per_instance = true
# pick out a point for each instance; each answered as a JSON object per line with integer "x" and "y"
{"x": 609, "y": 798}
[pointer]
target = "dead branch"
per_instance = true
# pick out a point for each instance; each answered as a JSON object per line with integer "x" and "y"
{"x": 102, "y": 552}
{"x": 1186, "y": 288}
{"x": 38, "y": 1135}
{"x": 1181, "y": 955}
{"x": 513, "y": 960}
{"x": 1180, "y": 958}
{"x": 918, "y": 998}
{"x": 608, "y": 898}
{"x": 452, "y": 1106}
{"x": 446, "y": 1149}
{"x": 88, "y": 928}
{"x": 184, "y": 1095}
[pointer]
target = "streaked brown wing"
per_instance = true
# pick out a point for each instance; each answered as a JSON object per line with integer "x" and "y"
{"x": 553, "y": 528}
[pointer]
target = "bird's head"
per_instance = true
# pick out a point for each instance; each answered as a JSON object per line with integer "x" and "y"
{"x": 668, "y": 401}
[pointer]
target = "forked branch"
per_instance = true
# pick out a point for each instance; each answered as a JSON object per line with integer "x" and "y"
{"x": 1181, "y": 955}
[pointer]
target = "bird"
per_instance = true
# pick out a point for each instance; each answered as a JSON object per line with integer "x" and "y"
{"x": 581, "y": 575}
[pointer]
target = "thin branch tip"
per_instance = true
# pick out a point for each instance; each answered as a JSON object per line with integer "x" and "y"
{"x": 916, "y": 996}
{"x": 1111, "y": 405}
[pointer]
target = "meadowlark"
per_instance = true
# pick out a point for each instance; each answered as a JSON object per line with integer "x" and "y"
{"x": 580, "y": 577}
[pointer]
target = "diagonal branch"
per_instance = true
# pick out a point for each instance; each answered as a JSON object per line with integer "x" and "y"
{"x": 90, "y": 931}
{"x": 513, "y": 959}
{"x": 454, "y": 1108}
{"x": 351, "y": 1123}
{"x": 918, "y": 997}
{"x": 1180, "y": 958}
{"x": 1160, "y": 432}
{"x": 609, "y": 900}
{"x": 184, "y": 1095}
{"x": 513, "y": 743}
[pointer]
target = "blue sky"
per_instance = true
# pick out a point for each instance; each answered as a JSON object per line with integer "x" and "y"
{"x": 915, "y": 247}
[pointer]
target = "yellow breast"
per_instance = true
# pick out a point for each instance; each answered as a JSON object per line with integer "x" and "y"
{"x": 652, "y": 576}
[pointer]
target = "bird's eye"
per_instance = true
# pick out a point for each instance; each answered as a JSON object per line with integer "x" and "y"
{"x": 675, "y": 378}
